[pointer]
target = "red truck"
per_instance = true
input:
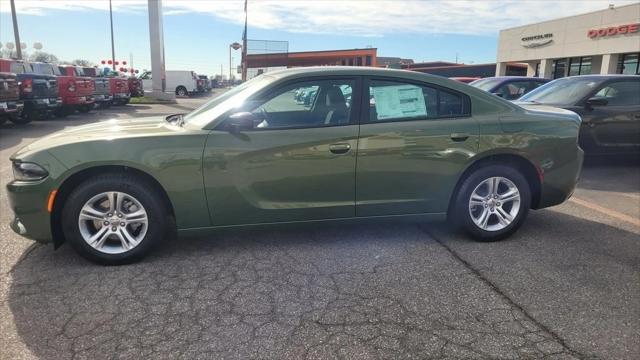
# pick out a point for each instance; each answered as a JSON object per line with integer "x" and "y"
{"x": 10, "y": 104}
{"x": 38, "y": 92}
{"x": 76, "y": 92}
{"x": 84, "y": 86}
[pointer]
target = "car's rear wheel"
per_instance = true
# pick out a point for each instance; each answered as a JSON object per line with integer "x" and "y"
{"x": 26, "y": 117}
{"x": 182, "y": 91}
{"x": 85, "y": 108}
{"x": 113, "y": 219}
{"x": 492, "y": 202}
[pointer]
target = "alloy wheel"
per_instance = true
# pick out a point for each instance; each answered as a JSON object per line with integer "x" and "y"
{"x": 494, "y": 204}
{"x": 113, "y": 222}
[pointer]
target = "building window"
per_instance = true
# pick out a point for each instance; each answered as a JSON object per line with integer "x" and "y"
{"x": 537, "y": 74}
{"x": 580, "y": 66}
{"x": 368, "y": 60}
{"x": 559, "y": 68}
{"x": 629, "y": 64}
{"x": 350, "y": 61}
{"x": 359, "y": 61}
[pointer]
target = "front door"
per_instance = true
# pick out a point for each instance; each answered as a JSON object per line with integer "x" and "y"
{"x": 297, "y": 162}
{"x": 413, "y": 145}
{"x": 615, "y": 126}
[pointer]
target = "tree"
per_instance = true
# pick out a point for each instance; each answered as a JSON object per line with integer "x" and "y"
{"x": 42, "y": 56}
{"x": 82, "y": 62}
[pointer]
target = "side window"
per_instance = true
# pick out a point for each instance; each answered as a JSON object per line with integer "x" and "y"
{"x": 17, "y": 68}
{"x": 396, "y": 101}
{"x": 513, "y": 90}
{"x": 146, "y": 76}
{"x": 622, "y": 93}
{"x": 306, "y": 104}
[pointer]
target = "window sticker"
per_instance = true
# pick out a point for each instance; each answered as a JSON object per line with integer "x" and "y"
{"x": 399, "y": 101}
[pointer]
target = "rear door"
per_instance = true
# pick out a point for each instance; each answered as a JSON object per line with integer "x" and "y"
{"x": 296, "y": 163}
{"x": 616, "y": 125}
{"x": 415, "y": 139}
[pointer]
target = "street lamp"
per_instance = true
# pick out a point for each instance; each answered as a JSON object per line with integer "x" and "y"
{"x": 234, "y": 46}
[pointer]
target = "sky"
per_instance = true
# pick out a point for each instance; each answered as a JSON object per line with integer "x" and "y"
{"x": 198, "y": 33}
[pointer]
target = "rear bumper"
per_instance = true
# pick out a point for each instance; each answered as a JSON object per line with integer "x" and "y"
{"x": 100, "y": 98}
{"x": 11, "y": 107}
{"x": 78, "y": 100}
{"x": 560, "y": 182}
{"x": 42, "y": 104}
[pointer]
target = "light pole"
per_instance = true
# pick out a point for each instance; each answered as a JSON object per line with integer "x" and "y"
{"x": 232, "y": 46}
{"x": 14, "y": 17}
{"x": 113, "y": 50}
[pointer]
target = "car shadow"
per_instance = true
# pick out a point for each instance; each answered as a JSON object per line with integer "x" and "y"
{"x": 63, "y": 305}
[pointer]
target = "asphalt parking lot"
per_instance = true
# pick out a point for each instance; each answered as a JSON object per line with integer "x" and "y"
{"x": 567, "y": 285}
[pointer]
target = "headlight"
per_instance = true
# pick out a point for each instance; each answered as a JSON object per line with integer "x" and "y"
{"x": 25, "y": 171}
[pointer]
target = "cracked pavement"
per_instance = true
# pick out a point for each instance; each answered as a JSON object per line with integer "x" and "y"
{"x": 566, "y": 286}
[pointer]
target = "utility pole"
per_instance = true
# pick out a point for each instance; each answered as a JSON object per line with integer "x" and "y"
{"x": 244, "y": 44}
{"x": 113, "y": 50}
{"x": 15, "y": 31}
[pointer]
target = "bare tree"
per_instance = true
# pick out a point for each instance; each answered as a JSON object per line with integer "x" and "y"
{"x": 42, "y": 56}
{"x": 82, "y": 62}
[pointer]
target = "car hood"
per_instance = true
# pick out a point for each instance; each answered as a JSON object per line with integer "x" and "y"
{"x": 109, "y": 130}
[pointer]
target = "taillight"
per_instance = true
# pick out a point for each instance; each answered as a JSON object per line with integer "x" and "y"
{"x": 27, "y": 86}
{"x": 72, "y": 86}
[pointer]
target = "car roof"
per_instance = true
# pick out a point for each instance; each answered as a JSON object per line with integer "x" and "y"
{"x": 515, "y": 78}
{"x": 349, "y": 70}
{"x": 603, "y": 76}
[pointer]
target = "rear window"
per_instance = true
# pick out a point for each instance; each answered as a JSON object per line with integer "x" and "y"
{"x": 45, "y": 69}
{"x": 20, "y": 68}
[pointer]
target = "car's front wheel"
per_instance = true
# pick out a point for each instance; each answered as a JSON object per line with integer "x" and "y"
{"x": 492, "y": 202}
{"x": 113, "y": 219}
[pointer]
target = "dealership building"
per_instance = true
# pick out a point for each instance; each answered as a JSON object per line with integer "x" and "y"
{"x": 600, "y": 42}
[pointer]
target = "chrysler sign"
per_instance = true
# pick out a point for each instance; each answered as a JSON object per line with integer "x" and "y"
{"x": 536, "y": 40}
{"x": 613, "y": 31}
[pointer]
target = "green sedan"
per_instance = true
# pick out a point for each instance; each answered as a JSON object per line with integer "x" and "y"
{"x": 370, "y": 143}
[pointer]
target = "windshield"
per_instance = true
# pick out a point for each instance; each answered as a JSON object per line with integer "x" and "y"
{"x": 485, "y": 84}
{"x": 226, "y": 101}
{"x": 45, "y": 69}
{"x": 565, "y": 91}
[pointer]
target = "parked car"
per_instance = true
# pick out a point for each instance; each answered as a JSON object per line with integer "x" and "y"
{"x": 206, "y": 83}
{"x": 118, "y": 88}
{"x": 102, "y": 92}
{"x": 509, "y": 87}
{"x": 465, "y": 80}
{"x": 75, "y": 93}
{"x": 183, "y": 82}
{"x": 83, "y": 86}
{"x": 608, "y": 104}
{"x": 136, "y": 88}
{"x": 10, "y": 103}
{"x": 38, "y": 92}
{"x": 427, "y": 148}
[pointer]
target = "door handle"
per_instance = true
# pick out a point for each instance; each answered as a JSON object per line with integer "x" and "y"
{"x": 459, "y": 136}
{"x": 339, "y": 148}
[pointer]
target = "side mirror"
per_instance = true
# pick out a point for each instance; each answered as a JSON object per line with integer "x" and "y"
{"x": 240, "y": 121}
{"x": 597, "y": 101}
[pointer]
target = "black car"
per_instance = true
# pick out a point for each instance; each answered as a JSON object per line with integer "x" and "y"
{"x": 509, "y": 87}
{"x": 608, "y": 104}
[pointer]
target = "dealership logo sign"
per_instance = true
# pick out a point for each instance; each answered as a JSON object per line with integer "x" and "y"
{"x": 613, "y": 31}
{"x": 537, "y": 40}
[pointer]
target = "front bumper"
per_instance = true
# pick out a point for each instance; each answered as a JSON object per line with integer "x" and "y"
{"x": 28, "y": 201}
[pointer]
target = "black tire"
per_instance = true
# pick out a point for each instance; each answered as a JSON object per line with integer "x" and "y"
{"x": 182, "y": 91}
{"x": 3, "y": 119}
{"x": 461, "y": 206}
{"x": 126, "y": 183}
{"x": 85, "y": 108}
{"x": 25, "y": 118}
